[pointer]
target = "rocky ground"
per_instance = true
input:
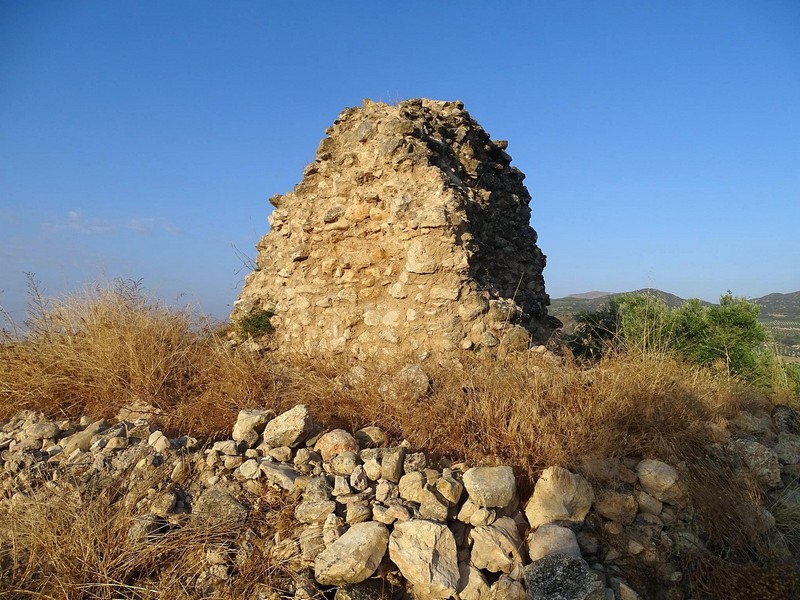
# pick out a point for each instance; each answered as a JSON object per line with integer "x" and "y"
{"x": 366, "y": 519}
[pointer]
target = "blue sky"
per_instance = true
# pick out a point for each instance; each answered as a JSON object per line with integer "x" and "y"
{"x": 661, "y": 140}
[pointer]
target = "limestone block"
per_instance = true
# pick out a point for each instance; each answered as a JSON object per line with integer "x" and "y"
{"x": 354, "y": 556}
{"x": 559, "y": 495}
{"x": 425, "y": 553}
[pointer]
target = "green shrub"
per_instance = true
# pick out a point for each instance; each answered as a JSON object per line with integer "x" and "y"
{"x": 255, "y": 324}
{"x": 727, "y": 336}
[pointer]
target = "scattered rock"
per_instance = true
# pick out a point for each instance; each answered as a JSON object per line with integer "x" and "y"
{"x": 289, "y": 429}
{"x": 354, "y": 556}
{"x": 559, "y": 495}
{"x": 491, "y": 487}
{"x": 425, "y": 553}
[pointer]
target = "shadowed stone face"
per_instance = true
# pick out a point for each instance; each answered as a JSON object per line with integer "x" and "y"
{"x": 409, "y": 231}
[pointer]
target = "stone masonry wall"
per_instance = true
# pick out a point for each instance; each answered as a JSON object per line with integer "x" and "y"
{"x": 409, "y": 230}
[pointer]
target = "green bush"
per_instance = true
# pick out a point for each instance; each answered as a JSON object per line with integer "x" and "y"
{"x": 727, "y": 336}
{"x": 255, "y": 324}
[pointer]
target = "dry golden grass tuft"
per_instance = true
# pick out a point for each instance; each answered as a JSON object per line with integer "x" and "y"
{"x": 76, "y": 546}
{"x": 112, "y": 346}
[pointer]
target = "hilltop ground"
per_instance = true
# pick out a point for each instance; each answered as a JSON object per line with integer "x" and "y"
{"x": 96, "y": 354}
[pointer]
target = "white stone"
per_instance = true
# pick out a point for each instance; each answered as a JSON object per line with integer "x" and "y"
{"x": 425, "y": 553}
{"x": 559, "y": 495}
{"x": 552, "y": 539}
{"x": 491, "y": 487}
{"x": 354, "y": 557}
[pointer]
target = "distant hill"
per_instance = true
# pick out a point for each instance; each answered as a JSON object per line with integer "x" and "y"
{"x": 589, "y": 295}
{"x": 566, "y": 308}
{"x": 785, "y": 306}
{"x": 780, "y": 313}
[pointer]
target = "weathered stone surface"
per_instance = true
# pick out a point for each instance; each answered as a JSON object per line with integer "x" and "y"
{"x": 608, "y": 470}
{"x": 279, "y": 474}
{"x": 288, "y": 429}
{"x": 472, "y": 585}
{"x": 616, "y": 505}
{"x": 354, "y": 556}
{"x": 660, "y": 480}
{"x": 559, "y": 495}
{"x": 562, "y": 577}
{"x": 219, "y": 504}
{"x": 392, "y": 240}
{"x": 762, "y": 462}
{"x": 507, "y": 588}
{"x": 552, "y": 539}
{"x": 314, "y": 511}
{"x": 83, "y": 439}
{"x": 335, "y": 442}
{"x": 425, "y": 553}
{"x": 498, "y": 547}
{"x": 490, "y": 487}
{"x": 788, "y": 448}
{"x": 250, "y": 421}
{"x": 392, "y": 464}
{"x": 371, "y": 437}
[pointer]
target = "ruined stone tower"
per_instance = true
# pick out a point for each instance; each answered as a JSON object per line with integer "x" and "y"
{"x": 410, "y": 230}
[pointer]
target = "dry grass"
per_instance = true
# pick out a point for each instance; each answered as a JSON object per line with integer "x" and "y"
{"x": 75, "y": 546}
{"x": 95, "y": 353}
{"x": 112, "y": 346}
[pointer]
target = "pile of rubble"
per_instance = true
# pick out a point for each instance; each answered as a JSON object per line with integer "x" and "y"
{"x": 374, "y": 520}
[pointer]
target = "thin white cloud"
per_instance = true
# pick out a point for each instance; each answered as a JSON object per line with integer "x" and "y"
{"x": 149, "y": 225}
{"x": 76, "y": 221}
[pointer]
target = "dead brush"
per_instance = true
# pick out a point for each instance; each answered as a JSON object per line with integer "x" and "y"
{"x": 76, "y": 546}
{"x": 111, "y": 346}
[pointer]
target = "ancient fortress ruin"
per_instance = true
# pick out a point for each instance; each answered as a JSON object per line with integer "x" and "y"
{"x": 409, "y": 230}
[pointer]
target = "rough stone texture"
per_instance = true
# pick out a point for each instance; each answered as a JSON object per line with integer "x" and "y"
{"x": 562, "y": 577}
{"x": 394, "y": 236}
{"x": 762, "y": 462}
{"x": 472, "y": 584}
{"x": 425, "y": 553}
{"x": 659, "y": 479}
{"x": 490, "y": 487}
{"x": 552, "y": 539}
{"x": 288, "y": 429}
{"x": 335, "y": 442}
{"x": 353, "y": 557}
{"x": 250, "y": 421}
{"x": 559, "y": 495}
{"x": 788, "y": 448}
{"x": 219, "y": 504}
{"x": 616, "y": 505}
{"x": 497, "y": 547}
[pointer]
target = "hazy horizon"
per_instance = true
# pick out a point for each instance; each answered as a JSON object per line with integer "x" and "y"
{"x": 661, "y": 141}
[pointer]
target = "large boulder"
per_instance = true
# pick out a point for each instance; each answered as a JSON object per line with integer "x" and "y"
{"x": 425, "y": 553}
{"x": 354, "y": 556}
{"x": 491, "y": 487}
{"x": 559, "y": 495}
